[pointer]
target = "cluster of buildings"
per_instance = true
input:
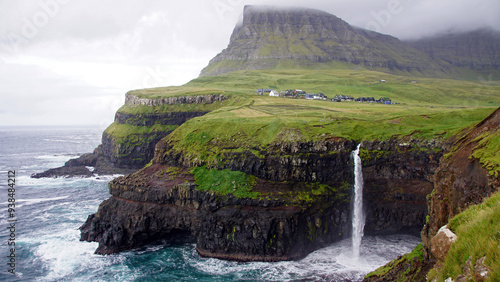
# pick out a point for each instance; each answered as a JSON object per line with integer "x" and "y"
{"x": 343, "y": 98}
{"x": 289, "y": 93}
{"x": 292, "y": 94}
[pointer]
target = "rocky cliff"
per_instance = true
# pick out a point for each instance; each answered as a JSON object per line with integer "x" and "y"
{"x": 145, "y": 208}
{"x": 466, "y": 176}
{"x": 128, "y": 144}
{"x": 398, "y": 176}
{"x": 279, "y": 37}
{"x": 302, "y": 201}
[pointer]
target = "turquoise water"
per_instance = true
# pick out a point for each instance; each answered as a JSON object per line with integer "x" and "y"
{"x": 50, "y": 211}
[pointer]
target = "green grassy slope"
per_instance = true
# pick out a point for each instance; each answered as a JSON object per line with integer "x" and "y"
{"x": 427, "y": 109}
{"x": 361, "y": 82}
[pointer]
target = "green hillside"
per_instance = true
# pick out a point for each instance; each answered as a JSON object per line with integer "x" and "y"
{"x": 426, "y": 109}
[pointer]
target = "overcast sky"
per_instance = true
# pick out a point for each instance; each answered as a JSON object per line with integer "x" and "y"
{"x": 70, "y": 62}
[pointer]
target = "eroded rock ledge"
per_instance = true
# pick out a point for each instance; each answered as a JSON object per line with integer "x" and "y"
{"x": 126, "y": 156}
{"x": 133, "y": 100}
{"x": 144, "y": 208}
{"x": 460, "y": 181}
{"x": 155, "y": 204}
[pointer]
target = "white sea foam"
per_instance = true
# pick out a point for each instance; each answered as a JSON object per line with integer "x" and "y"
{"x": 34, "y": 201}
{"x": 68, "y": 140}
{"x": 65, "y": 254}
{"x": 333, "y": 263}
{"x": 101, "y": 178}
{"x": 56, "y": 157}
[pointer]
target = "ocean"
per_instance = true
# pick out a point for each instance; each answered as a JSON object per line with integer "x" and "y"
{"x": 39, "y": 237}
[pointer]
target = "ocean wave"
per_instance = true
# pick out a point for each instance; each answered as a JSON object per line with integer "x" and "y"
{"x": 57, "y": 156}
{"x": 62, "y": 140}
{"x": 40, "y": 200}
{"x": 66, "y": 255}
{"x": 333, "y": 263}
{"x": 102, "y": 178}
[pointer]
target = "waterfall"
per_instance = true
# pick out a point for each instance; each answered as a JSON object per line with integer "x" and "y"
{"x": 358, "y": 217}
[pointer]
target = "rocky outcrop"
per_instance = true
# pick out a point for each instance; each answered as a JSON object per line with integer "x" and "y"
{"x": 146, "y": 207}
{"x": 441, "y": 242}
{"x": 73, "y": 167}
{"x": 151, "y": 204}
{"x": 408, "y": 267}
{"x": 398, "y": 176}
{"x": 118, "y": 156}
{"x": 461, "y": 180}
{"x": 133, "y": 100}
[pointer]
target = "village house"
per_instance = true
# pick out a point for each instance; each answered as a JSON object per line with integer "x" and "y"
{"x": 342, "y": 98}
{"x": 385, "y": 101}
{"x": 313, "y": 96}
{"x": 365, "y": 99}
{"x": 289, "y": 93}
{"x": 263, "y": 91}
{"x": 274, "y": 93}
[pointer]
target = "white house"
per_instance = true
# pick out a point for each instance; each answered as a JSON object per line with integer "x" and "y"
{"x": 274, "y": 93}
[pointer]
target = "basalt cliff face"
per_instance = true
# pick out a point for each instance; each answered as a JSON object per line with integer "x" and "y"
{"x": 398, "y": 176}
{"x": 128, "y": 144}
{"x": 225, "y": 227}
{"x": 466, "y": 176}
{"x": 462, "y": 179}
{"x": 286, "y": 222}
{"x": 292, "y": 216}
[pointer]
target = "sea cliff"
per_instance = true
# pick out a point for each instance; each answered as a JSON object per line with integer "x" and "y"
{"x": 128, "y": 144}
{"x": 300, "y": 201}
{"x": 467, "y": 176}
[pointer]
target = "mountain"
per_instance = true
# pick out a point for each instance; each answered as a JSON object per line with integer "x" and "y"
{"x": 478, "y": 50}
{"x": 283, "y": 38}
{"x": 270, "y": 37}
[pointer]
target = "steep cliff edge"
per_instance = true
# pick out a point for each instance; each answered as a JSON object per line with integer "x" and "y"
{"x": 128, "y": 144}
{"x": 277, "y": 220}
{"x": 298, "y": 198}
{"x": 398, "y": 176}
{"x": 466, "y": 176}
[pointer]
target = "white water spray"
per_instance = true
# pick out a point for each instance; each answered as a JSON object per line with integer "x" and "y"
{"x": 358, "y": 217}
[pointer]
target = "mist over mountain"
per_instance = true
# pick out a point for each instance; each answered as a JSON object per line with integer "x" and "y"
{"x": 276, "y": 37}
{"x": 478, "y": 50}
